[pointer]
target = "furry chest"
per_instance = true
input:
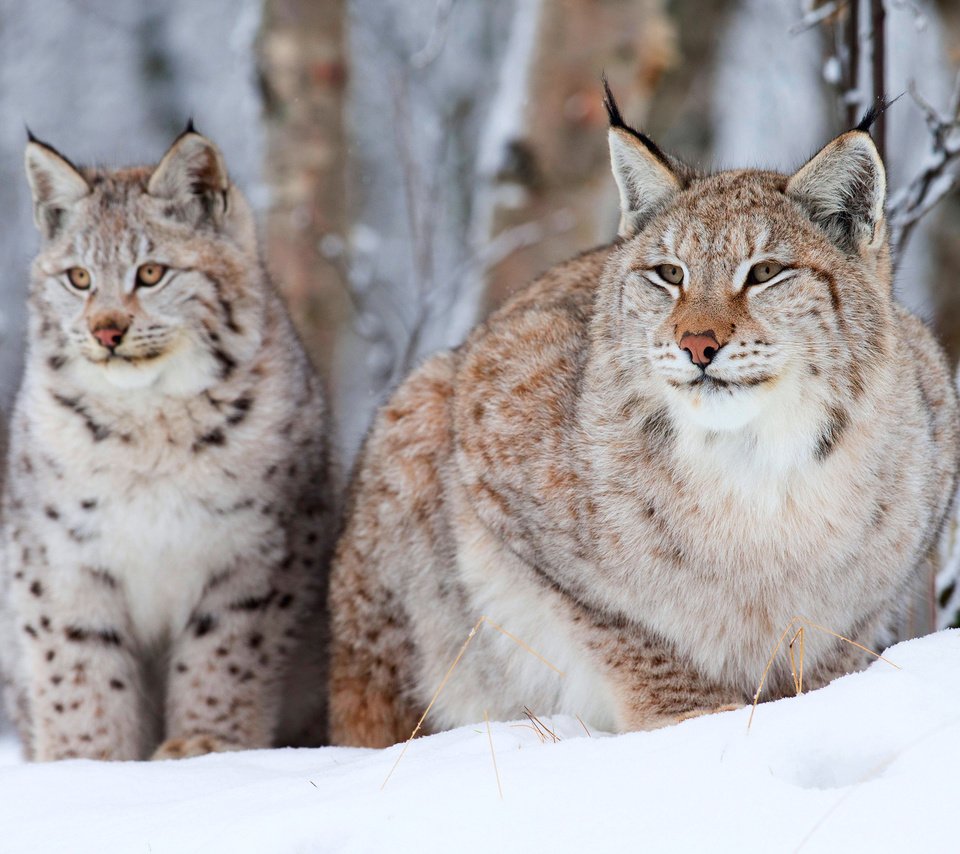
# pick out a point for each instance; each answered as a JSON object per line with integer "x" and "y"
{"x": 724, "y": 594}
{"x": 719, "y": 560}
{"x": 163, "y": 545}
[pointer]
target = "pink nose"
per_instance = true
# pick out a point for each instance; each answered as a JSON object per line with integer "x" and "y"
{"x": 109, "y": 336}
{"x": 702, "y": 346}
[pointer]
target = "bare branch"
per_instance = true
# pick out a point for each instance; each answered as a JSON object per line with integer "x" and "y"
{"x": 816, "y": 16}
{"x": 938, "y": 176}
{"x": 518, "y": 237}
{"x": 878, "y": 61}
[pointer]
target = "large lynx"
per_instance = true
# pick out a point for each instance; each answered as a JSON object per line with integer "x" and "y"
{"x": 651, "y": 460}
{"x": 165, "y": 497}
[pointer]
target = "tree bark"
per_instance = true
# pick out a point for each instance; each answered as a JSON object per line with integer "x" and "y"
{"x": 302, "y": 69}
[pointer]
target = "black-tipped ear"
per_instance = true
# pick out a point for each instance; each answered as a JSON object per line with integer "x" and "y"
{"x": 645, "y": 176}
{"x": 192, "y": 176}
{"x": 56, "y": 185}
{"x": 877, "y": 109}
{"x": 843, "y": 188}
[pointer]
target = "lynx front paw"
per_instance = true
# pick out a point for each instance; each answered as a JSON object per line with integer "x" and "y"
{"x": 193, "y": 745}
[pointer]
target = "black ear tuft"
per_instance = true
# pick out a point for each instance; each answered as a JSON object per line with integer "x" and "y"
{"x": 190, "y": 128}
{"x": 30, "y": 136}
{"x": 617, "y": 122}
{"x": 613, "y": 111}
{"x": 880, "y": 106}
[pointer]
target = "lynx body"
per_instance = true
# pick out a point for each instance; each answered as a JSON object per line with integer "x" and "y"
{"x": 650, "y": 461}
{"x": 165, "y": 506}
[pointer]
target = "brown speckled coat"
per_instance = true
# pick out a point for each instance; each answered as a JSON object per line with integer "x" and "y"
{"x": 646, "y": 514}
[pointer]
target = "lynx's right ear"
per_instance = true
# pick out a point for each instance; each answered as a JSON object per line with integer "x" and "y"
{"x": 843, "y": 188}
{"x": 645, "y": 176}
{"x": 56, "y": 185}
{"x": 193, "y": 176}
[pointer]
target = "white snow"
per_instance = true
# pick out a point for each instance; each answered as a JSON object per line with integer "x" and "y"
{"x": 866, "y": 764}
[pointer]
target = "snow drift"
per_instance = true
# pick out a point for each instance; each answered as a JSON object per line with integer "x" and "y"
{"x": 865, "y": 764}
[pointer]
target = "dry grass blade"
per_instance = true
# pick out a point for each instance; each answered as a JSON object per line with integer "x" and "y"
{"x": 798, "y": 681}
{"x": 540, "y": 725}
{"x": 443, "y": 682}
{"x": 530, "y": 726}
{"x": 584, "y": 726}
{"x": 795, "y": 672}
{"x": 520, "y": 643}
{"x": 860, "y": 646}
{"x": 493, "y": 753}
{"x": 766, "y": 670}
{"x": 446, "y": 678}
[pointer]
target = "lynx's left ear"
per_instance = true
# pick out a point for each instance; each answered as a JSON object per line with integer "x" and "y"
{"x": 645, "y": 176}
{"x": 193, "y": 176}
{"x": 843, "y": 188}
{"x": 56, "y": 184}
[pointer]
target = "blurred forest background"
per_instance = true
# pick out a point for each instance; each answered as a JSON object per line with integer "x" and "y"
{"x": 414, "y": 162}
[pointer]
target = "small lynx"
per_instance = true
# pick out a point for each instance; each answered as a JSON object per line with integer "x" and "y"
{"x": 165, "y": 507}
{"x": 651, "y": 460}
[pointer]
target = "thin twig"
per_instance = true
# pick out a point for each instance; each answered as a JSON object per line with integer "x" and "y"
{"x": 530, "y": 726}
{"x": 935, "y": 180}
{"x": 493, "y": 753}
{"x": 584, "y": 726}
{"x": 797, "y": 678}
{"x": 816, "y": 16}
{"x": 803, "y": 621}
{"x": 433, "y": 699}
{"x": 539, "y": 723}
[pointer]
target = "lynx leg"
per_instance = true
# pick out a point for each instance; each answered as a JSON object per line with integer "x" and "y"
{"x": 84, "y": 690}
{"x": 393, "y": 547}
{"x": 656, "y": 688}
{"x": 371, "y": 667}
{"x": 226, "y": 667}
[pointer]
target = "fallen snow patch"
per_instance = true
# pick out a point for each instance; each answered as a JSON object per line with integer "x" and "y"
{"x": 866, "y": 764}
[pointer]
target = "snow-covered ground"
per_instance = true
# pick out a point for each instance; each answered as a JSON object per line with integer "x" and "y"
{"x": 869, "y": 763}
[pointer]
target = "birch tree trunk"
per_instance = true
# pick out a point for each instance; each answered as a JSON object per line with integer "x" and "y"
{"x": 556, "y": 195}
{"x": 303, "y": 76}
{"x": 436, "y": 93}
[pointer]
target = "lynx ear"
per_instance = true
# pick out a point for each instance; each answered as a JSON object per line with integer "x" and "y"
{"x": 843, "y": 188}
{"x": 193, "y": 176}
{"x": 55, "y": 183}
{"x": 645, "y": 176}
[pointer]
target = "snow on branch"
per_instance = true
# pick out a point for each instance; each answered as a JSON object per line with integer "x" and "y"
{"x": 938, "y": 176}
{"x": 815, "y": 15}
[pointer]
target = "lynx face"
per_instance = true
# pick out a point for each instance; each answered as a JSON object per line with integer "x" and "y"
{"x": 138, "y": 269}
{"x": 732, "y": 288}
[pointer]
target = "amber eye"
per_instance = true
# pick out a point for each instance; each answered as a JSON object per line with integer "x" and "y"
{"x": 79, "y": 278}
{"x": 763, "y": 272}
{"x": 670, "y": 273}
{"x": 150, "y": 274}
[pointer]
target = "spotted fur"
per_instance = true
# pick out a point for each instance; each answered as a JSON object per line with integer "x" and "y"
{"x": 649, "y": 525}
{"x": 166, "y": 510}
